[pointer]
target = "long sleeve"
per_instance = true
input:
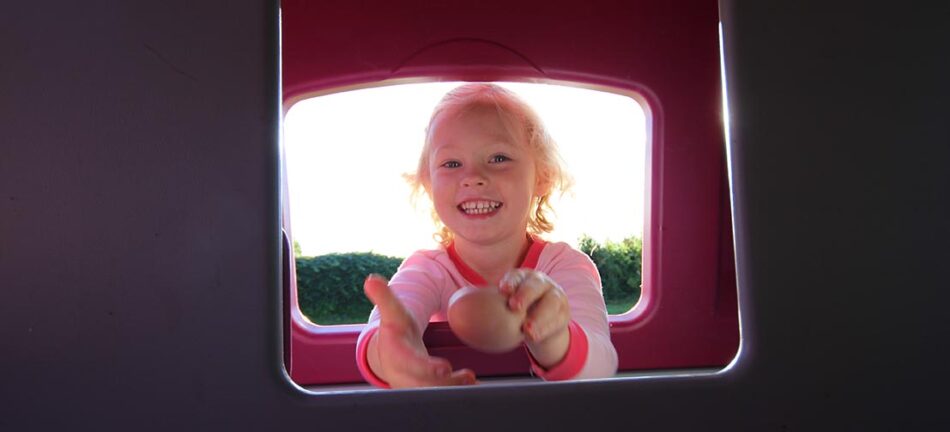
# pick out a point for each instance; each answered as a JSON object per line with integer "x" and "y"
{"x": 578, "y": 277}
{"x": 417, "y": 283}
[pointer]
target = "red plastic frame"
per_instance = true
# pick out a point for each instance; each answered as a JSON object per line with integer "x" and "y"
{"x": 664, "y": 53}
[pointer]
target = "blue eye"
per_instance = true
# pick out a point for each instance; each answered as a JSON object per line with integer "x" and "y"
{"x": 499, "y": 158}
{"x": 451, "y": 164}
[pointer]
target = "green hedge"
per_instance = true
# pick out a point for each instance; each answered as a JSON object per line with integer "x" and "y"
{"x": 330, "y": 287}
{"x": 619, "y": 265}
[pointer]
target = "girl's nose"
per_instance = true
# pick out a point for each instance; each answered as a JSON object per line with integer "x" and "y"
{"x": 473, "y": 179}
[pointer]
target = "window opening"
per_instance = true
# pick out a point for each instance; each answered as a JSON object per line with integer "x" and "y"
{"x": 350, "y": 209}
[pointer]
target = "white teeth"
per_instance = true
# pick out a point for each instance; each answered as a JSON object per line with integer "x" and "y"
{"x": 479, "y": 207}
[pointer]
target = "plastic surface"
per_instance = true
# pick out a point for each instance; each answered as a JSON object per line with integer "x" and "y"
{"x": 666, "y": 59}
{"x": 140, "y": 249}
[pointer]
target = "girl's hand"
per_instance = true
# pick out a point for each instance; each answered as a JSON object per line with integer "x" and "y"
{"x": 396, "y": 352}
{"x": 548, "y": 313}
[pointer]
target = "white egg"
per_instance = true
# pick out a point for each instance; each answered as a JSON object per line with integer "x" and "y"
{"x": 481, "y": 319}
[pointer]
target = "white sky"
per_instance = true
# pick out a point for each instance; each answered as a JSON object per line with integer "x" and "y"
{"x": 346, "y": 152}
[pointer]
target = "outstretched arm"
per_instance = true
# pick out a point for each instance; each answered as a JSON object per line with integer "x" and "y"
{"x": 395, "y": 352}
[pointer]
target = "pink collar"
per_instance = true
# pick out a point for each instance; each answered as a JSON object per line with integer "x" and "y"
{"x": 530, "y": 260}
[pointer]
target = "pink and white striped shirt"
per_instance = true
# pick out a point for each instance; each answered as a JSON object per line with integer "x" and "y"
{"x": 426, "y": 280}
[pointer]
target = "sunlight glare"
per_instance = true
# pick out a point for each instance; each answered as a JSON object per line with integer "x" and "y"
{"x": 346, "y": 152}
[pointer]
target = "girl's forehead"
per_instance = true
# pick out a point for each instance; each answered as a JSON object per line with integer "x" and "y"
{"x": 487, "y": 123}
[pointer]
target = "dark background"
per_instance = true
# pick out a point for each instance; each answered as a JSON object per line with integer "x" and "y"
{"x": 139, "y": 239}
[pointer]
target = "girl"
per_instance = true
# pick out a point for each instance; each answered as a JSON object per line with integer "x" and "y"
{"x": 489, "y": 167}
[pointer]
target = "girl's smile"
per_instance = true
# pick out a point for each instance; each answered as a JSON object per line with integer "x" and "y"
{"x": 480, "y": 208}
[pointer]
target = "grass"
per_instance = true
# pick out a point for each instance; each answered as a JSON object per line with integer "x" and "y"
{"x": 620, "y": 306}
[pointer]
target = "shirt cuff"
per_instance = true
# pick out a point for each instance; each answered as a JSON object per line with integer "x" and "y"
{"x": 573, "y": 360}
{"x": 362, "y": 349}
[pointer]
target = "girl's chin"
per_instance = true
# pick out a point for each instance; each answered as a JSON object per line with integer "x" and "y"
{"x": 485, "y": 237}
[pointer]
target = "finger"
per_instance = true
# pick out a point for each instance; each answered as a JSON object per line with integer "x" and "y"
{"x": 439, "y": 367}
{"x": 377, "y": 291}
{"x": 461, "y": 377}
{"x": 529, "y": 291}
{"x": 547, "y": 317}
{"x": 438, "y": 372}
{"x": 458, "y": 378}
{"x": 509, "y": 283}
{"x": 391, "y": 309}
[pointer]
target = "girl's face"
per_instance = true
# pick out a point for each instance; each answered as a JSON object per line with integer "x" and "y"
{"x": 482, "y": 178}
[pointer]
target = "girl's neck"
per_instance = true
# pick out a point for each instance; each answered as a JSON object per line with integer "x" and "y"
{"x": 494, "y": 260}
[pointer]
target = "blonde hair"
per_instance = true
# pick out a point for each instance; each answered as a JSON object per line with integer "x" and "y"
{"x": 516, "y": 114}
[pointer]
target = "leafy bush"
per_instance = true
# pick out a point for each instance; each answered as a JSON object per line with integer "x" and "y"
{"x": 619, "y": 265}
{"x": 330, "y": 287}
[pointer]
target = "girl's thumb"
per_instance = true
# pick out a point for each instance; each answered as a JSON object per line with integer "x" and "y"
{"x": 377, "y": 291}
{"x": 391, "y": 309}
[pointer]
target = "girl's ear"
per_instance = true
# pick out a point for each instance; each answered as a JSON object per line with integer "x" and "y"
{"x": 543, "y": 184}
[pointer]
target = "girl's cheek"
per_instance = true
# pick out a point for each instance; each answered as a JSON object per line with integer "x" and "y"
{"x": 441, "y": 174}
